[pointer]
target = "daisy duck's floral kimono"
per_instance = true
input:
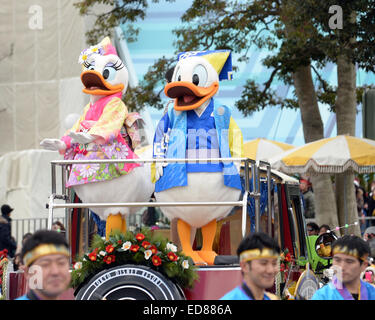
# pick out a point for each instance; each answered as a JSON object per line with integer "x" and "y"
{"x": 116, "y": 129}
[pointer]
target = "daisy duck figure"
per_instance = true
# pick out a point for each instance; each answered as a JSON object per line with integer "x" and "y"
{"x": 197, "y": 127}
{"x": 105, "y": 130}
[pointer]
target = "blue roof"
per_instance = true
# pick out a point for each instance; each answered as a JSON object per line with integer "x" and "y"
{"x": 155, "y": 39}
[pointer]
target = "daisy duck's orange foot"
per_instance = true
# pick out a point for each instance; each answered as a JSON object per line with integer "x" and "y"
{"x": 208, "y": 256}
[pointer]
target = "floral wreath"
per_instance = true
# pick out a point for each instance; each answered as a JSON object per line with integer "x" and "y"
{"x": 85, "y": 54}
{"x": 3, "y": 268}
{"x": 143, "y": 248}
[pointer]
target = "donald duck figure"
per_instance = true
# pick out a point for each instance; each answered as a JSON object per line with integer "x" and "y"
{"x": 105, "y": 130}
{"x": 197, "y": 127}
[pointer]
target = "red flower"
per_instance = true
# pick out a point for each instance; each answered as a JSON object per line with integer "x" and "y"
{"x": 145, "y": 244}
{"x": 119, "y": 242}
{"x": 156, "y": 261}
{"x": 92, "y": 256}
{"x": 172, "y": 256}
{"x": 109, "y": 248}
{"x": 153, "y": 249}
{"x": 134, "y": 248}
{"x": 282, "y": 267}
{"x": 288, "y": 257}
{"x": 3, "y": 253}
{"x": 140, "y": 236}
{"x": 109, "y": 259}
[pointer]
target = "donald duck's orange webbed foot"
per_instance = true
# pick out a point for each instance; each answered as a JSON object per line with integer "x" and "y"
{"x": 115, "y": 222}
{"x": 207, "y": 256}
{"x": 195, "y": 256}
{"x": 183, "y": 230}
{"x": 208, "y": 234}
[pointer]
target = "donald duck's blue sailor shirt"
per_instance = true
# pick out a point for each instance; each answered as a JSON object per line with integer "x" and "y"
{"x": 202, "y": 141}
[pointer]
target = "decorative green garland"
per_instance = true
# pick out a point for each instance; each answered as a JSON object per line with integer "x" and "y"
{"x": 3, "y": 273}
{"x": 144, "y": 248}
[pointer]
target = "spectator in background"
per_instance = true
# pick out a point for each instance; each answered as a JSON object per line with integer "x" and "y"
{"x": 312, "y": 229}
{"x": 25, "y": 237}
{"x": 324, "y": 228}
{"x": 369, "y": 237}
{"x": 6, "y": 239}
{"x": 308, "y": 199}
{"x": 360, "y": 199}
{"x": 59, "y": 227}
{"x": 371, "y": 203}
{"x": 17, "y": 263}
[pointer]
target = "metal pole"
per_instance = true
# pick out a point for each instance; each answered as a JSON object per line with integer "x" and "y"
{"x": 245, "y": 197}
{"x": 86, "y": 228}
{"x": 66, "y": 192}
{"x": 257, "y": 200}
{"x": 147, "y": 204}
{"x": 50, "y": 212}
{"x": 269, "y": 204}
{"x": 150, "y": 160}
{"x": 345, "y": 208}
{"x": 53, "y": 175}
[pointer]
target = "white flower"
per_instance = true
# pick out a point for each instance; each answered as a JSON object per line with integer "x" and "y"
{"x": 94, "y": 49}
{"x": 148, "y": 254}
{"x": 89, "y": 169}
{"x": 77, "y": 265}
{"x": 120, "y": 152}
{"x": 126, "y": 246}
{"x": 83, "y": 56}
{"x": 185, "y": 264}
{"x": 102, "y": 253}
{"x": 171, "y": 247}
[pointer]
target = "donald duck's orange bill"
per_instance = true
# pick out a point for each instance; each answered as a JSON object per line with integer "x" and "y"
{"x": 187, "y": 95}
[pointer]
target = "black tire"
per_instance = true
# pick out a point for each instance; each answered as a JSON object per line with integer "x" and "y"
{"x": 130, "y": 282}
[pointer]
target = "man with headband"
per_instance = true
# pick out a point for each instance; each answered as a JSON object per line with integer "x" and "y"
{"x": 258, "y": 254}
{"x": 349, "y": 259}
{"x": 46, "y": 258}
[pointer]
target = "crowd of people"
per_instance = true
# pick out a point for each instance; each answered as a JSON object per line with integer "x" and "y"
{"x": 365, "y": 202}
{"x": 47, "y": 252}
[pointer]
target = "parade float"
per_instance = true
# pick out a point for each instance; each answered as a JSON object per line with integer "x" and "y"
{"x": 105, "y": 171}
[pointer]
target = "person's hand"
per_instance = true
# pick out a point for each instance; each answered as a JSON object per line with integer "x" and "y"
{"x": 159, "y": 169}
{"x": 53, "y": 144}
{"x": 81, "y": 137}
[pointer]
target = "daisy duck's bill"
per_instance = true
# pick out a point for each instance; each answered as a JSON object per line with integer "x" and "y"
{"x": 95, "y": 84}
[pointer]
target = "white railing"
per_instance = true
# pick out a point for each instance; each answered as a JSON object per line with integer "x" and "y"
{"x": 66, "y": 196}
{"x": 29, "y": 225}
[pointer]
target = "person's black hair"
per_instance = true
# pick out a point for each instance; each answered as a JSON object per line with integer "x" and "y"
{"x": 257, "y": 240}
{"x": 43, "y": 237}
{"x": 353, "y": 242}
{"x": 313, "y": 225}
{"x": 27, "y": 235}
{"x": 326, "y": 226}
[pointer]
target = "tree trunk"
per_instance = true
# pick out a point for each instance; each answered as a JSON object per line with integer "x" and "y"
{"x": 325, "y": 202}
{"x": 345, "y": 115}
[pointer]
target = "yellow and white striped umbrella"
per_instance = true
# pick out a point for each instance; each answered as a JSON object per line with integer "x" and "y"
{"x": 263, "y": 149}
{"x": 330, "y": 155}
